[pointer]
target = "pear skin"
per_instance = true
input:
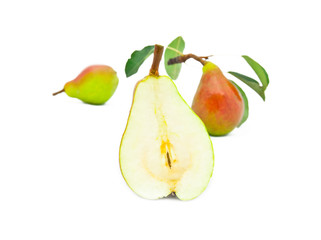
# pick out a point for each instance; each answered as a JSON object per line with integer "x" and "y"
{"x": 217, "y": 102}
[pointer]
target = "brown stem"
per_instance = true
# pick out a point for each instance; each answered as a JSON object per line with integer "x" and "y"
{"x": 158, "y": 53}
{"x": 54, "y": 94}
{"x": 183, "y": 58}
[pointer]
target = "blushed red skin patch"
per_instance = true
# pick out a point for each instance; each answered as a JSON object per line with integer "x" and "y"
{"x": 89, "y": 70}
{"x": 218, "y": 103}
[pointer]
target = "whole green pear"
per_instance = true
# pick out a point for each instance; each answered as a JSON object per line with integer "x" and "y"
{"x": 94, "y": 85}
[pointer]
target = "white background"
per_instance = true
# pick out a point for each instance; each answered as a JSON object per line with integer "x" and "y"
{"x": 59, "y": 170}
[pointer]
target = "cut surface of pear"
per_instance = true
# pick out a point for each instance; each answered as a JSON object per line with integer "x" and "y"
{"x": 165, "y": 147}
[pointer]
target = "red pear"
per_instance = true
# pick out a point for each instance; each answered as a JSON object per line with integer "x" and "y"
{"x": 217, "y": 101}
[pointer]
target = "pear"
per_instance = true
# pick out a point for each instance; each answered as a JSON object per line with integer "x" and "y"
{"x": 94, "y": 85}
{"x": 165, "y": 148}
{"x": 217, "y": 101}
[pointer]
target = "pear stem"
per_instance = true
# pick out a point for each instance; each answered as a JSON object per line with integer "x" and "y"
{"x": 54, "y": 94}
{"x": 158, "y": 53}
{"x": 183, "y": 58}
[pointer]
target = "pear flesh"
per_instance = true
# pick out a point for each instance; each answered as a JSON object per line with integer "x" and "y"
{"x": 165, "y": 147}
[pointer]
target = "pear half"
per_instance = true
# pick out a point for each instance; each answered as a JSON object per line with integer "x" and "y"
{"x": 165, "y": 147}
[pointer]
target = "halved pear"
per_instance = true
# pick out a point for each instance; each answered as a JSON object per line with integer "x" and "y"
{"x": 165, "y": 147}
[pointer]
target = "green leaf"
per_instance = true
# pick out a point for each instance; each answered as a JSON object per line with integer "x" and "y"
{"x": 246, "y": 104}
{"x": 251, "y": 83}
{"x": 136, "y": 60}
{"x": 259, "y": 70}
{"x": 174, "y": 49}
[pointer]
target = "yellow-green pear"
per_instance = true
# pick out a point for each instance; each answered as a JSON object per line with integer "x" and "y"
{"x": 94, "y": 85}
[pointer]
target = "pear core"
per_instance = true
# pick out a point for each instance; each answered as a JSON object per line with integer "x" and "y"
{"x": 165, "y": 147}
